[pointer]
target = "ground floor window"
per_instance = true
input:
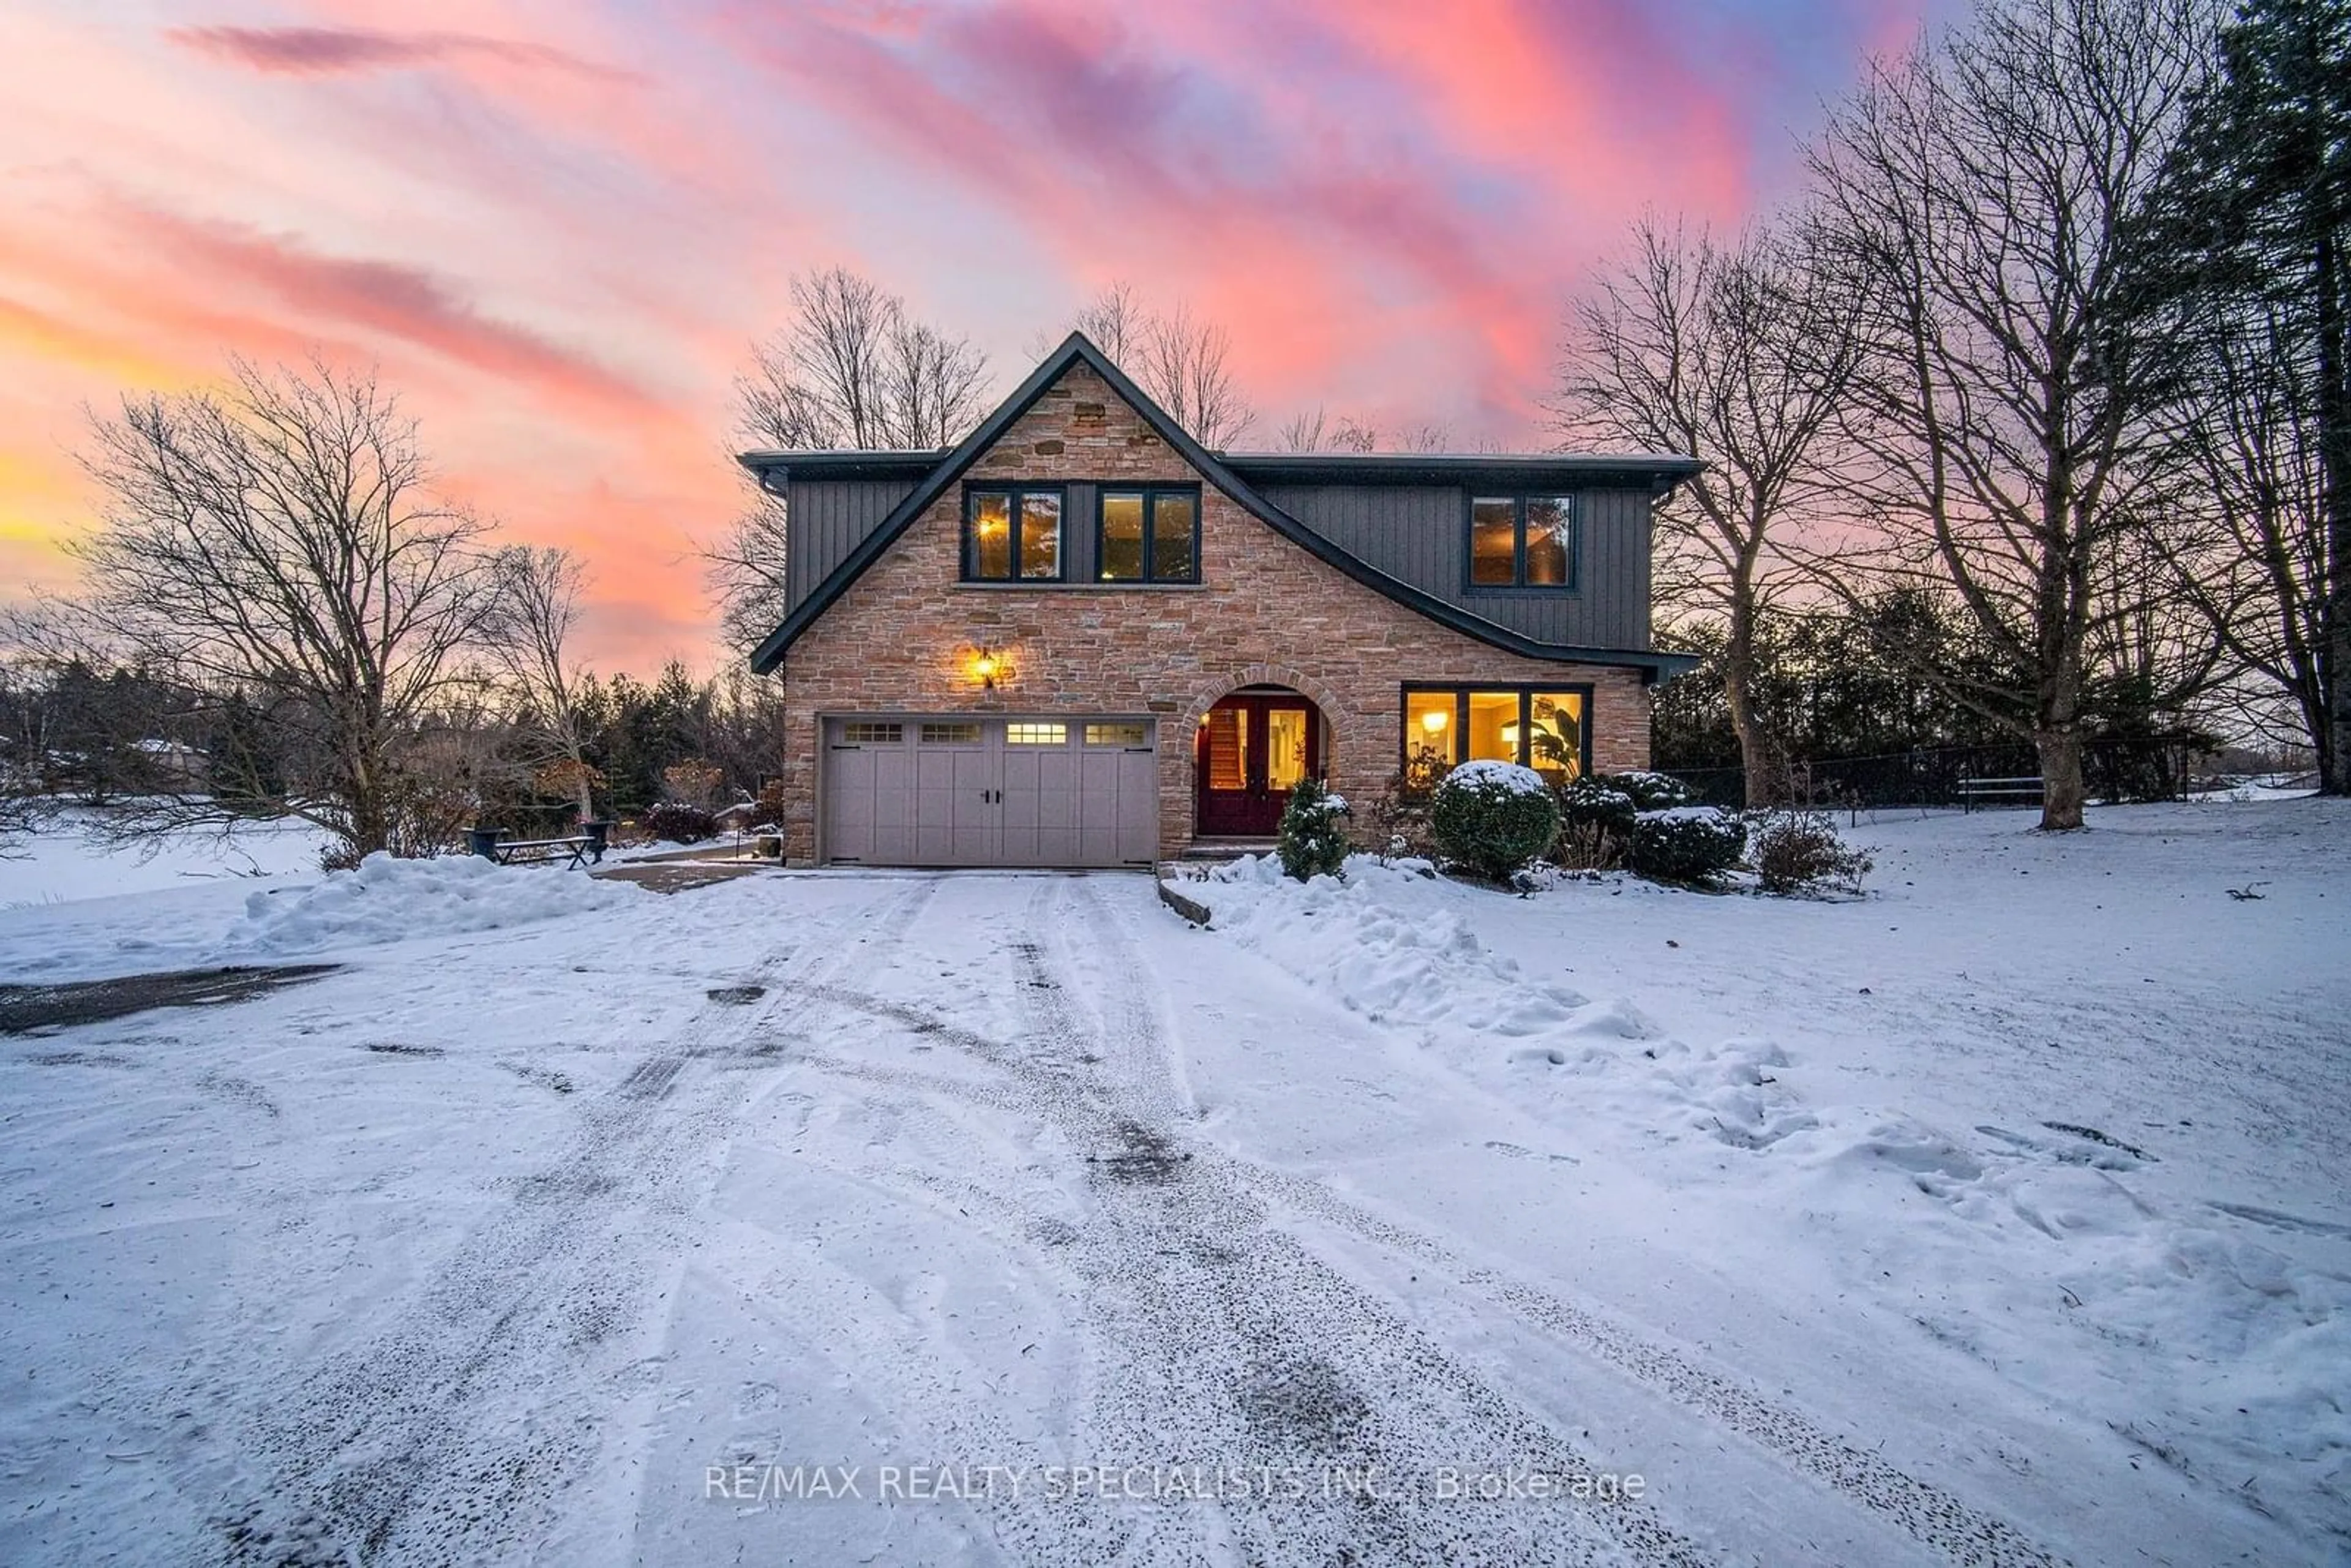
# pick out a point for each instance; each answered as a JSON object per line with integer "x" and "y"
{"x": 1541, "y": 727}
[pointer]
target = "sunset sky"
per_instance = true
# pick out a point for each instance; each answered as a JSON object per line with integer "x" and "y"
{"x": 557, "y": 227}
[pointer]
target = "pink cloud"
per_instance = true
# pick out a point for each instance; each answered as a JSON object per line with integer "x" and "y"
{"x": 400, "y": 301}
{"x": 344, "y": 51}
{"x": 559, "y": 261}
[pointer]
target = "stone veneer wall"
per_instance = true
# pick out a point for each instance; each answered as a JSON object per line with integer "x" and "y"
{"x": 900, "y": 638}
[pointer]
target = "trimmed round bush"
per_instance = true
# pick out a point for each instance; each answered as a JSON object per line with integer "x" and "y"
{"x": 1492, "y": 817}
{"x": 1692, "y": 845}
{"x": 679, "y": 823}
{"x": 1597, "y": 813}
{"x": 1312, "y": 842}
{"x": 1650, "y": 791}
{"x": 1597, "y": 804}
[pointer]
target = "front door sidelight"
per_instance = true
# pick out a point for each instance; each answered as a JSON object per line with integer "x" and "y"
{"x": 1250, "y": 753}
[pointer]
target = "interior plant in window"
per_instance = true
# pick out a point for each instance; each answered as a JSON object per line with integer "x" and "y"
{"x": 1313, "y": 841}
{"x": 1492, "y": 817}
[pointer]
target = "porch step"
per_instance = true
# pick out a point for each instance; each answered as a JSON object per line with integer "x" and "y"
{"x": 1225, "y": 848}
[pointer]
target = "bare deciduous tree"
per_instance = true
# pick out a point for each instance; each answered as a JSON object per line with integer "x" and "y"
{"x": 1117, "y": 322}
{"x": 1733, "y": 352}
{"x": 26, "y": 801}
{"x": 852, "y": 368}
{"x": 1313, "y": 432}
{"x": 275, "y": 544}
{"x": 744, "y": 570}
{"x": 2256, "y": 574}
{"x": 533, "y": 612}
{"x": 1184, "y": 367}
{"x": 1176, "y": 357}
{"x": 1980, "y": 201}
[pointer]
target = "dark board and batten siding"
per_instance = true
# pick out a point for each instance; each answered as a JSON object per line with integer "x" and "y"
{"x": 825, "y": 519}
{"x": 1419, "y": 534}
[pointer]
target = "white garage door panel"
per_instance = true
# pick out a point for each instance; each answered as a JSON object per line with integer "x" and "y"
{"x": 958, "y": 800}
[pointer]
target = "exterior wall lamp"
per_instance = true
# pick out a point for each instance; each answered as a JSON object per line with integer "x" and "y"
{"x": 986, "y": 665}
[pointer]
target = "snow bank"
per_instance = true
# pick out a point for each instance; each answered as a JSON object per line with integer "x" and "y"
{"x": 1380, "y": 942}
{"x": 389, "y": 900}
{"x": 1385, "y": 943}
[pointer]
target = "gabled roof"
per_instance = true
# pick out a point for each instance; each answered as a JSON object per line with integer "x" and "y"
{"x": 945, "y": 468}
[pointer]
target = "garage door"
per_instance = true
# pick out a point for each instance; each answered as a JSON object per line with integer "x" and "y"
{"x": 945, "y": 790}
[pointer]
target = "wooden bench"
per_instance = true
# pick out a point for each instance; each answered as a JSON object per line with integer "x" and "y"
{"x": 578, "y": 851}
{"x": 1999, "y": 791}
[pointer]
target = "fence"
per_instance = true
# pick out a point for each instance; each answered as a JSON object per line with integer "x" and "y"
{"x": 2113, "y": 771}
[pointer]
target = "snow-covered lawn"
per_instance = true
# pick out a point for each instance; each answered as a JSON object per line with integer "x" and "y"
{"x": 69, "y": 861}
{"x": 1996, "y": 1217}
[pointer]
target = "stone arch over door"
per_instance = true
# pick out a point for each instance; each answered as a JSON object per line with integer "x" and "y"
{"x": 1213, "y": 811}
{"x": 1305, "y": 686}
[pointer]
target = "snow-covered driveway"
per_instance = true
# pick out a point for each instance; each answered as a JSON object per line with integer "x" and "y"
{"x": 587, "y": 1241}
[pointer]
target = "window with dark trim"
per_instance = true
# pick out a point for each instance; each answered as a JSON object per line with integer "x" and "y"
{"x": 1547, "y": 728}
{"x": 1523, "y": 541}
{"x": 1149, "y": 534}
{"x": 1012, "y": 533}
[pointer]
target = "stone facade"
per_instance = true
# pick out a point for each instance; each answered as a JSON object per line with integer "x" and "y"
{"x": 901, "y": 638}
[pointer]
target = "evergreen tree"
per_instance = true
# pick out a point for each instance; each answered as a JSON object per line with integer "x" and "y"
{"x": 2259, "y": 221}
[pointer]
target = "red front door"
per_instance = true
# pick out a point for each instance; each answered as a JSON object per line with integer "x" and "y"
{"x": 1251, "y": 752}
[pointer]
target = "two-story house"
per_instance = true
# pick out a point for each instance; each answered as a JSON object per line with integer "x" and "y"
{"x": 1080, "y": 639}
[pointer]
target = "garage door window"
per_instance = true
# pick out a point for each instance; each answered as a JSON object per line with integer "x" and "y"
{"x": 950, "y": 735}
{"x": 1036, "y": 735}
{"x": 1118, "y": 734}
{"x": 860, "y": 733}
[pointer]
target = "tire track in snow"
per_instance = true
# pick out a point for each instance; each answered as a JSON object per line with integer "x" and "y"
{"x": 450, "y": 1435}
{"x": 1213, "y": 1339}
{"x": 1265, "y": 1348}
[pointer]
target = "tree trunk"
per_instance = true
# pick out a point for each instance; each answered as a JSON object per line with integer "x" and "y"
{"x": 2059, "y": 746}
{"x": 2335, "y": 457}
{"x": 1755, "y": 760}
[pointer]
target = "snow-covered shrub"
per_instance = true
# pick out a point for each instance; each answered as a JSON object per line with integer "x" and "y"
{"x": 1597, "y": 813}
{"x": 1314, "y": 843}
{"x": 1651, "y": 792}
{"x": 1492, "y": 817}
{"x": 1794, "y": 851}
{"x": 679, "y": 822}
{"x": 1595, "y": 820}
{"x": 1691, "y": 844}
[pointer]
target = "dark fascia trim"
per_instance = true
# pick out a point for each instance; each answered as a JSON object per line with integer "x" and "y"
{"x": 1077, "y": 349}
{"x": 1656, "y": 473}
{"x": 777, "y": 468}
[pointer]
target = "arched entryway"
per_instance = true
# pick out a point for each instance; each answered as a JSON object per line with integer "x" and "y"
{"x": 1250, "y": 749}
